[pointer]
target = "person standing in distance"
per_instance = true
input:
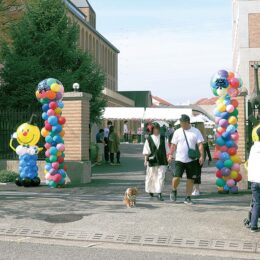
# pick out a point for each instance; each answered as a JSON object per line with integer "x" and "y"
{"x": 184, "y": 142}
{"x": 106, "y": 135}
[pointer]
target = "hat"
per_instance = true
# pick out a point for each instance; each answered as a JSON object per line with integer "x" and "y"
{"x": 185, "y": 118}
{"x": 156, "y": 125}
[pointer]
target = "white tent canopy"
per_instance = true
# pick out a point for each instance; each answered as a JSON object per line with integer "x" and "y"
{"x": 121, "y": 113}
{"x": 171, "y": 114}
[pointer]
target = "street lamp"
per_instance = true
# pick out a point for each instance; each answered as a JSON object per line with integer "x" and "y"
{"x": 75, "y": 87}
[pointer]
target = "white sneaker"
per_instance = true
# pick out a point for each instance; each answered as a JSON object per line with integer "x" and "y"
{"x": 195, "y": 193}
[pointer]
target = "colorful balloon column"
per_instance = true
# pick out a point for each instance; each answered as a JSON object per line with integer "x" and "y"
{"x": 49, "y": 93}
{"x": 227, "y": 85}
{"x": 28, "y": 136}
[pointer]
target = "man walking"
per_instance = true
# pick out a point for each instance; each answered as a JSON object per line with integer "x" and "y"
{"x": 126, "y": 131}
{"x": 106, "y": 147}
{"x": 187, "y": 142}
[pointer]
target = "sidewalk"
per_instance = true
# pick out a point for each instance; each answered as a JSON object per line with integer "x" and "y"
{"x": 97, "y": 208}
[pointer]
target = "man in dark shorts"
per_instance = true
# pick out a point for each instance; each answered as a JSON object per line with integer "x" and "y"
{"x": 181, "y": 145}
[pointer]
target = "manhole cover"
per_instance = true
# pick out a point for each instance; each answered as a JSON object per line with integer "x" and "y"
{"x": 63, "y": 218}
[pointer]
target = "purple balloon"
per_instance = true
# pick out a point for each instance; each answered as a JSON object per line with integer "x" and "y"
{"x": 223, "y": 73}
{"x": 52, "y": 171}
{"x": 234, "y": 189}
{"x": 223, "y": 123}
{"x": 225, "y": 171}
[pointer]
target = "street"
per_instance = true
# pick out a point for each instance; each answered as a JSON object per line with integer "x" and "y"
{"x": 91, "y": 222}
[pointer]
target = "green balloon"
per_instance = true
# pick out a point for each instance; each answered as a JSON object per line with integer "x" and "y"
{"x": 215, "y": 92}
{"x": 220, "y": 182}
{"x": 234, "y": 113}
{"x": 228, "y": 164}
{"x": 53, "y": 158}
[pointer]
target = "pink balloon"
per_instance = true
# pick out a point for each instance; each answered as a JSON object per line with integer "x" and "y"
{"x": 224, "y": 148}
{"x": 50, "y": 112}
{"x": 55, "y": 165}
{"x": 230, "y": 108}
{"x": 48, "y": 177}
{"x": 57, "y": 178}
{"x": 236, "y": 167}
{"x": 47, "y": 153}
{"x": 217, "y": 154}
{"x": 217, "y": 119}
{"x": 47, "y": 146}
{"x": 60, "y": 147}
{"x": 235, "y": 136}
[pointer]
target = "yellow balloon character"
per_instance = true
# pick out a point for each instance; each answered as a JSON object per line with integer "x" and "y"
{"x": 255, "y": 136}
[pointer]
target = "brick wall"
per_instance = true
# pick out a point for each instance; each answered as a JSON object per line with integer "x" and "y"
{"x": 76, "y": 111}
{"x": 254, "y": 30}
{"x": 242, "y": 128}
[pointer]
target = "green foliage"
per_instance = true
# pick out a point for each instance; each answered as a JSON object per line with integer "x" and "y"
{"x": 44, "y": 44}
{"x": 8, "y": 176}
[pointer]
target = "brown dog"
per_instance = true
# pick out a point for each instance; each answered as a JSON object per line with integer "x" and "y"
{"x": 130, "y": 197}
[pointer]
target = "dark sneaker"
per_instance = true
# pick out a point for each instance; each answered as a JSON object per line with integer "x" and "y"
{"x": 173, "y": 195}
{"x": 188, "y": 201}
{"x": 247, "y": 223}
{"x": 160, "y": 197}
{"x": 255, "y": 229}
{"x": 151, "y": 195}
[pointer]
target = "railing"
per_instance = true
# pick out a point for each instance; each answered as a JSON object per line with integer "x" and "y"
{"x": 9, "y": 122}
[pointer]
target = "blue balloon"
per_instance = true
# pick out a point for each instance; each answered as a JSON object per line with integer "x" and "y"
{"x": 48, "y": 167}
{"x": 230, "y": 143}
{"x": 60, "y": 104}
{"x": 220, "y": 165}
{"x": 224, "y": 156}
{"x": 226, "y": 188}
{"x": 225, "y": 171}
{"x": 57, "y": 139}
{"x": 224, "y": 115}
{"x": 220, "y": 141}
{"x": 48, "y": 139}
{"x": 231, "y": 129}
{"x": 57, "y": 129}
{"x": 45, "y": 107}
{"x": 44, "y": 116}
{"x": 53, "y": 150}
{"x": 53, "y": 120}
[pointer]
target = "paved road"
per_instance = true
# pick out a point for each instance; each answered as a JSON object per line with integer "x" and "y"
{"x": 98, "y": 208}
{"x": 28, "y": 251}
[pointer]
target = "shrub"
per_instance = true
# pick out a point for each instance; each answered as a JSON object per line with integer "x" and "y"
{"x": 8, "y": 176}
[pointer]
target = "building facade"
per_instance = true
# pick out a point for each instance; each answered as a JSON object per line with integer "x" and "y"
{"x": 103, "y": 51}
{"x": 246, "y": 39}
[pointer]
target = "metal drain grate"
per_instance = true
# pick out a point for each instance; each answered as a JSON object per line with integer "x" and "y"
{"x": 242, "y": 246}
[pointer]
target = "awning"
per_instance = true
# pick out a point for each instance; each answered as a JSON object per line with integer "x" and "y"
{"x": 124, "y": 113}
{"x": 170, "y": 114}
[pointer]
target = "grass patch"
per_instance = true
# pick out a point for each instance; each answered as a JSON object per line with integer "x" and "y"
{"x": 7, "y": 176}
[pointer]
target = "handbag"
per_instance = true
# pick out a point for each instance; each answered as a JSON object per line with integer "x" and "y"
{"x": 193, "y": 154}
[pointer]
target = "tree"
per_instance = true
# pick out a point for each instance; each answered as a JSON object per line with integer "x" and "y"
{"x": 44, "y": 44}
{"x": 10, "y": 12}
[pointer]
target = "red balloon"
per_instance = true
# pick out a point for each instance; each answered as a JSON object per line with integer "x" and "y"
{"x": 234, "y": 82}
{"x": 53, "y": 105}
{"x": 234, "y": 103}
{"x": 224, "y": 148}
{"x": 50, "y": 112}
{"x": 60, "y": 159}
{"x": 57, "y": 178}
{"x": 65, "y": 168}
{"x": 62, "y": 120}
{"x": 48, "y": 126}
{"x": 221, "y": 130}
{"x": 239, "y": 178}
{"x": 218, "y": 174}
{"x": 232, "y": 151}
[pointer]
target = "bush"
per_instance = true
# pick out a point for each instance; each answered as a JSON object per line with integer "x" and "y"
{"x": 8, "y": 176}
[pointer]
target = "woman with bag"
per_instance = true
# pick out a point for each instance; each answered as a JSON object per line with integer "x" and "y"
{"x": 187, "y": 142}
{"x": 155, "y": 152}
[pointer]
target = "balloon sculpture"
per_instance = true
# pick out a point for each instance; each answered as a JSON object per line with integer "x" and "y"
{"x": 227, "y": 85}
{"x": 49, "y": 93}
{"x": 27, "y": 136}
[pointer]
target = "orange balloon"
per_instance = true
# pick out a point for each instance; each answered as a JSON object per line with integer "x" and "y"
{"x": 44, "y": 132}
{"x": 231, "y": 75}
{"x": 50, "y": 94}
{"x": 62, "y": 133}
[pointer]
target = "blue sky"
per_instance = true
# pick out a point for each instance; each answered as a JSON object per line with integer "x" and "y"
{"x": 170, "y": 47}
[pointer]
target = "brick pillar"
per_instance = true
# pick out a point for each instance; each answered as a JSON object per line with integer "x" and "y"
{"x": 243, "y": 185}
{"x": 76, "y": 112}
{"x": 77, "y": 136}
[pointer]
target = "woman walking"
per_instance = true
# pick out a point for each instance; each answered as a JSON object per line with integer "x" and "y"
{"x": 114, "y": 143}
{"x": 155, "y": 152}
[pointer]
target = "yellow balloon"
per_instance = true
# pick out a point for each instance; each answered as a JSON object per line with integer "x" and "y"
{"x": 28, "y": 134}
{"x": 232, "y": 120}
{"x": 220, "y": 101}
{"x": 221, "y": 108}
{"x": 55, "y": 87}
{"x": 235, "y": 159}
{"x": 255, "y": 136}
{"x": 58, "y": 110}
{"x": 233, "y": 174}
{"x": 226, "y": 178}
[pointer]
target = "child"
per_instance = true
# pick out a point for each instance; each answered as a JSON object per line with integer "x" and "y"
{"x": 254, "y": 178}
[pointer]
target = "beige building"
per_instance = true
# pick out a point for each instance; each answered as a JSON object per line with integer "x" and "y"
{"x": 104, "y": 52}
{"x": 246, "y": 39}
